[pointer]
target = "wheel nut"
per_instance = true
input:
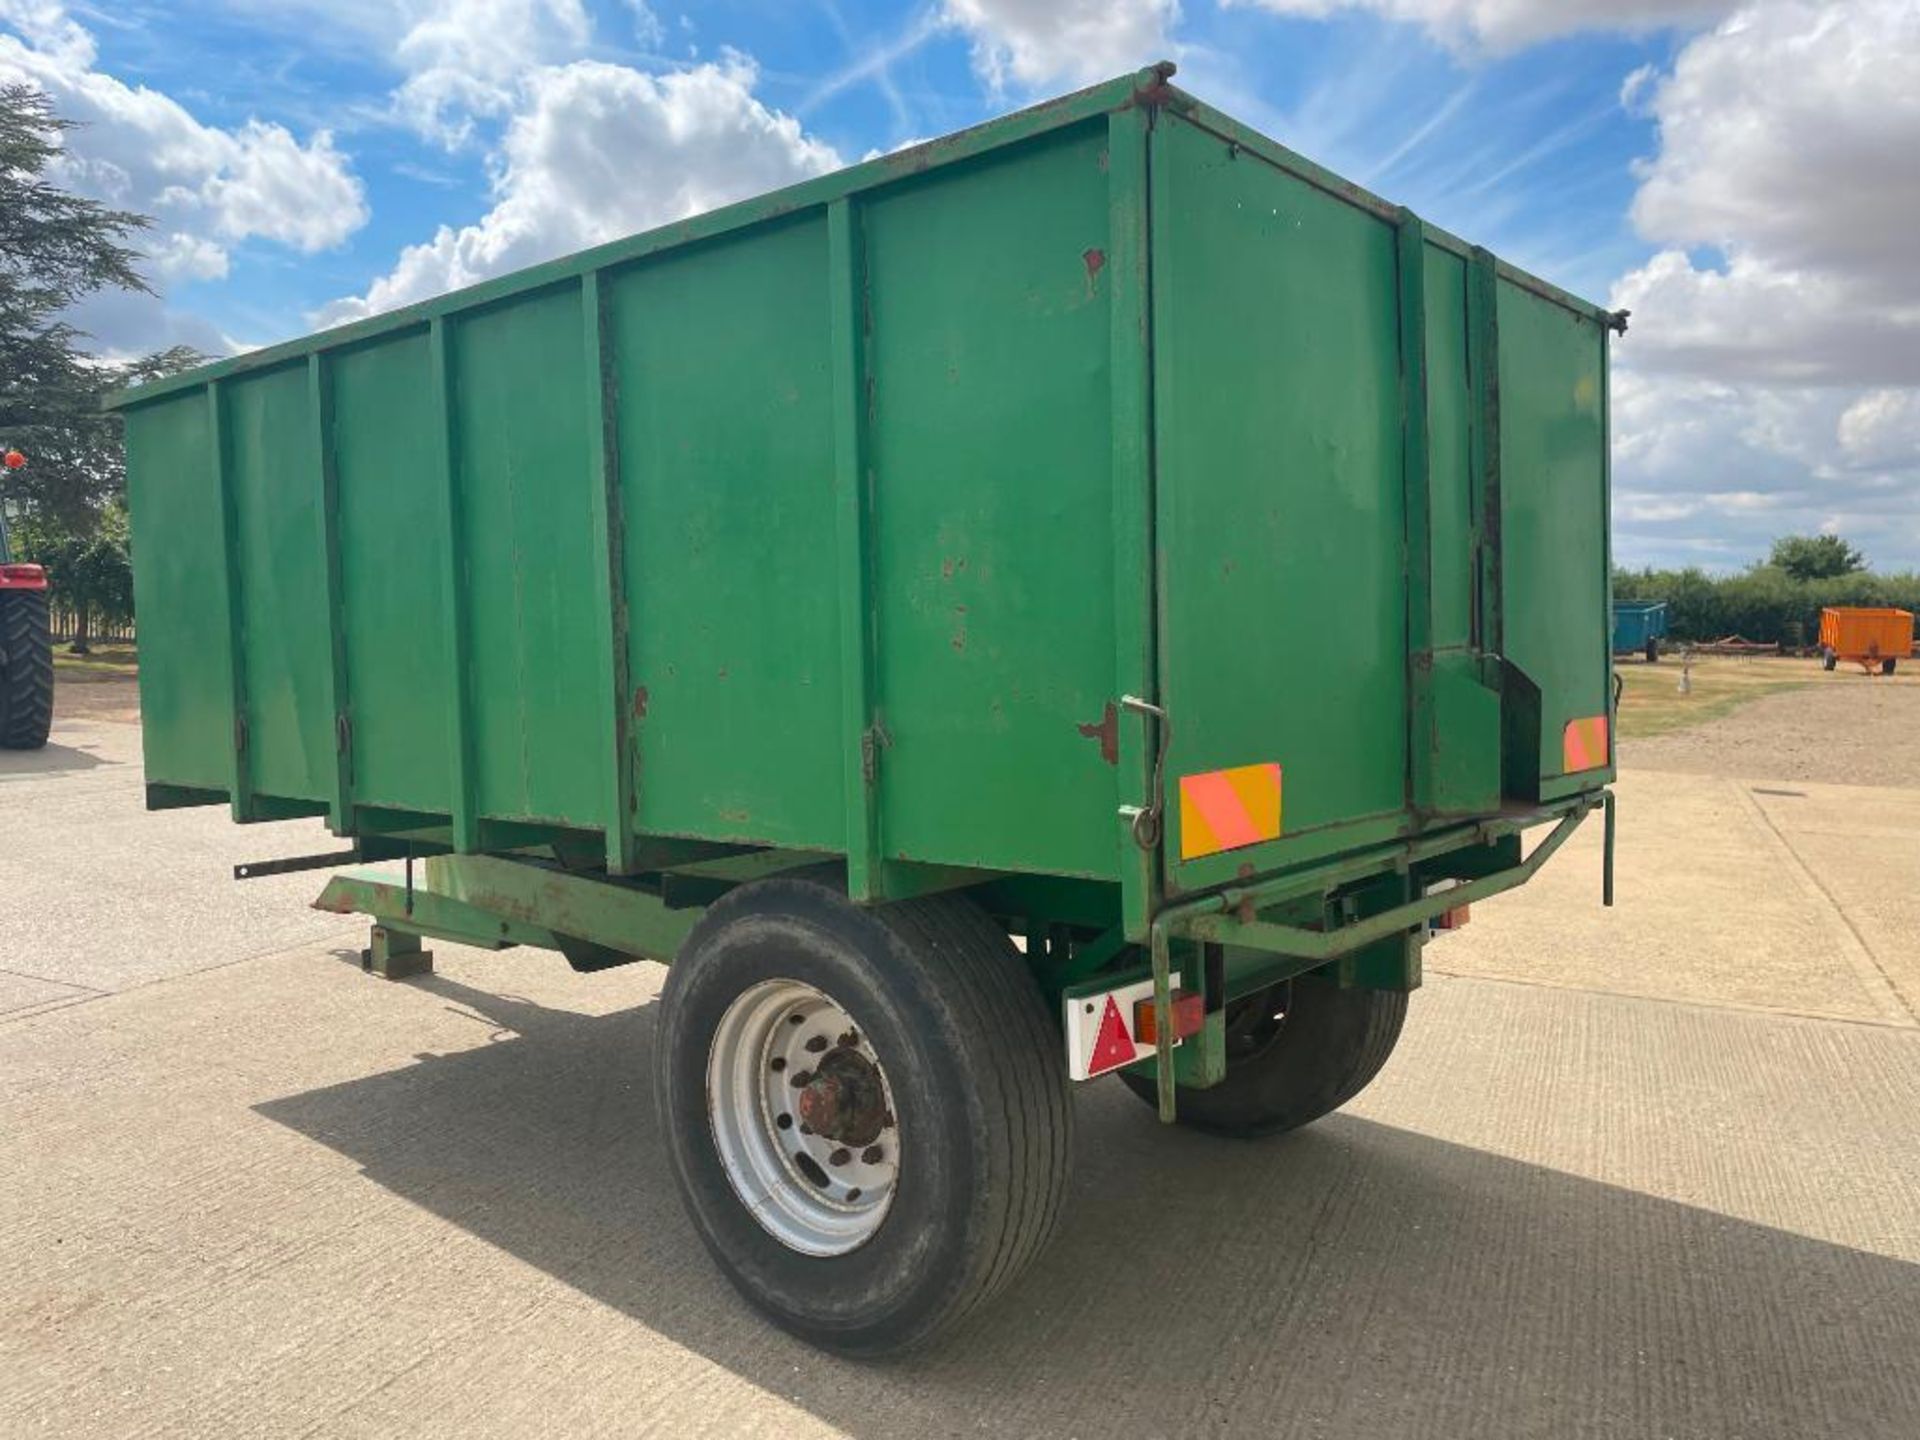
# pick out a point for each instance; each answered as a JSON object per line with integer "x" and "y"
{"x": 801, "y": 1079}
{"x": 872, "y": 1155}
{"x": 839, "y": 1157}
{"x": 817, "y": 1044}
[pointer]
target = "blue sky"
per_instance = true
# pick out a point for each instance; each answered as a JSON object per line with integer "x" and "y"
{"x": 312, "y": 160}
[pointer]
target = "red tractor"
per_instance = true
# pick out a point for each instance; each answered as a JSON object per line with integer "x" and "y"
{"x": 26, "y": 645}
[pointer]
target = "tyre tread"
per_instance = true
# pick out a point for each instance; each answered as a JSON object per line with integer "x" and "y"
{"x": 26, "y": 684}
{"x": 1014, "y": 1046}
{"x": 991, "y": 1011}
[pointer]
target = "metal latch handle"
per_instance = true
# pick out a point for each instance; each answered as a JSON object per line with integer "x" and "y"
{"x": 1145, "y": 820}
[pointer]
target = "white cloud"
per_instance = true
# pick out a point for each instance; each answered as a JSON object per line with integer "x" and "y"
{"x": 1882, "y": 429}
{"x": 1754, "y": 319}
{"x": 1710, "y": 472}
{"x": 1039, "y": 43}
{"x": 1511, "y": 24}
{"x": 465, "y": 57}
{"x": 1776, "y": 337}
{"x": 1790, "y": 143}
{"x": 186, "y": 257}
{"x": 46, "y": 26}
{"x": 208, "y": 188}
{"x": 595, "y": 151}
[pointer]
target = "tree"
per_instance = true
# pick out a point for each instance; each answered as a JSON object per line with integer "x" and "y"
{"x": 55, "y": 249}
{"x": 91, "y": 574}
{"x": 1815, "y": 557}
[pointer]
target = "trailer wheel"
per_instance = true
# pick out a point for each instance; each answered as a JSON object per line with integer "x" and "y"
{"x": 1295, "y": 1052}
{"x": 26, "y": 670}
{"x": 1653, "y": 652}
{"x": 1886, "y": 666}
{"x": 865, "y": 1109}
{"x": 1828, "y": 659}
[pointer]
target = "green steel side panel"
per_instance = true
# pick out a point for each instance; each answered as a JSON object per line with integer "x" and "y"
{"x": 848, "y": 514}
{"x": 1281, "y": 512}
{"x": 526, "y": 557}
{"x": 726, "y": 443}
{"x": 186, "y": 688}
{"x": 390, "y": 559}
{"x": 1553, "y": 509}
{"x": 1448, "y": 405}
{"x": 287, "y": 646}
{"x": 1464, "y": 742}
{"x": 992, "y": 451}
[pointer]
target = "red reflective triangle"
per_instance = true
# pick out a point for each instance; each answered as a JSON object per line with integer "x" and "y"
{"x": 1113, "y": 1046}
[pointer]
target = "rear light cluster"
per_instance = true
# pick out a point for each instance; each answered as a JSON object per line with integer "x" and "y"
{"x": 1189, "y": 1014}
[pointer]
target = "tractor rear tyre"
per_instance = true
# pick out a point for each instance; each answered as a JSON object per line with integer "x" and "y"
{"x": 866, "y": 1110}
{"x": 1295, "y": 1052}
{"x": 26, "y": 670}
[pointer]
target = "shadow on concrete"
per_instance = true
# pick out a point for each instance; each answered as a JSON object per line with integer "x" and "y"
{"x": 1352, "y": 1280}
{"x": 49, "y": 759}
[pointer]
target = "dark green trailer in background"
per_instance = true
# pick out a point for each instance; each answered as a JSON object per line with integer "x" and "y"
{"x": 1089, "y": 593}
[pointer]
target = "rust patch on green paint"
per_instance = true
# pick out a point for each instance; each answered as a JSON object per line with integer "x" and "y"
{"x": 1106, "y": 730}
{"x": 640, "y": 702}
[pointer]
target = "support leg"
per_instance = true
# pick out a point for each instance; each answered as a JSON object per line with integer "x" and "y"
{"x": 395, "y": 955}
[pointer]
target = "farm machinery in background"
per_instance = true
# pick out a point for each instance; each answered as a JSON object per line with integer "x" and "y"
{"x": 26, "y": 644}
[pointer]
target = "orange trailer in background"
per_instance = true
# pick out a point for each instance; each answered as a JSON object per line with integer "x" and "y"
{"x": 1868, "y": 636}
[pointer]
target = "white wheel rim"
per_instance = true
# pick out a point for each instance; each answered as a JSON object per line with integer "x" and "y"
{"x": 780, "y": 1047}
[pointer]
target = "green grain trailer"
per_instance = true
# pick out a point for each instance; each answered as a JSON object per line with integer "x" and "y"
{"x": 1087, "y": 594}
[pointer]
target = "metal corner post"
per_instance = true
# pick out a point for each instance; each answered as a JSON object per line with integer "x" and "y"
{"x": 1483, "y": 439}
{"x": 610, "y": 599}
{"x": 453, "y": 592}
{"x": 1417, "y": 492}
{"x": 240, "y": 771}
{"x": 1130, "y": 177}
{"x": 861, "y": 734}
{"x": 1606, "y": 553}
{"x": 327, "y": 481}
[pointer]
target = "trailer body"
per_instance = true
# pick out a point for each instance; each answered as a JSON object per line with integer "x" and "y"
{"x": 843, "y": 521}
{"x": 1103, "y": 530}
{"x": 1638, "y": 627}
{"x": 1874, "y": 637}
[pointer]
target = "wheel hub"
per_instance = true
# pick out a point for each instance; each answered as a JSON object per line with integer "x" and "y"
{"x": 845, "y": 1100}
{"x": 802, "y": 1118}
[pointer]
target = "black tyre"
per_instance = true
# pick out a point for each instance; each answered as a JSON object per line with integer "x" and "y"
{"x": 886, "y": 1084}
{"x": 1886, "y": 666}
{"x": 26, "y": 670}
{"x": 1294, "y": 1053}
{"x": 1828, "y": 659}
{"x": 1653, "y": 652}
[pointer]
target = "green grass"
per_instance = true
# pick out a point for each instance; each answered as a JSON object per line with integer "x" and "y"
{"x": 110, "y": 659}
{"x": 1651, "y": 702}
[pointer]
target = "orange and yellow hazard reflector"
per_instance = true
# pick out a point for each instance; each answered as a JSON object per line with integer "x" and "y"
{"x": 1226, "y": 809}
{"x": 1583, "y": 744}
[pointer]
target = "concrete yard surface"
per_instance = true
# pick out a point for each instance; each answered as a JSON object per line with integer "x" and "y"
{"x": 1645, "y": 1172}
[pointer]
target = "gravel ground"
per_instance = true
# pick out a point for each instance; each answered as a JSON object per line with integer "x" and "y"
{"x": 79, "y": 696}
{"x": 1867, "y": 733}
